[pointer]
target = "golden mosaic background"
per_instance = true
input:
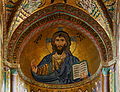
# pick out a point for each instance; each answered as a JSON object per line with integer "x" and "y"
{"x": 83, "y": 49}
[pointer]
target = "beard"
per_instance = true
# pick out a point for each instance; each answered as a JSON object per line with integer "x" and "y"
{"x": 60, "y": 49}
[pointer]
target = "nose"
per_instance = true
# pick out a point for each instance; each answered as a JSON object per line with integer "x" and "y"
{"x": 59, "y": 42}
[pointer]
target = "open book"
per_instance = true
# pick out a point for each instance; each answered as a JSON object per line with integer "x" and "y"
{"x": 80, "y": 70}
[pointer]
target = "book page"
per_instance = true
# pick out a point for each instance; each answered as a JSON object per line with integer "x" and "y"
{"x": 80, "y": 70}
{"x": 76, "y": 72}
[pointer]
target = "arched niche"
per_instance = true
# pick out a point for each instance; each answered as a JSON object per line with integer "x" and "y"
{"x": 92, "y": 42}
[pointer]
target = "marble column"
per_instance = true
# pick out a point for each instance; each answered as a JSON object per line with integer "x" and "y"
{"x": 6, "y": 79}
{"x": 14, "y": 80}
{"x": 105, "y": 72}
{"x": 112, "y": 78}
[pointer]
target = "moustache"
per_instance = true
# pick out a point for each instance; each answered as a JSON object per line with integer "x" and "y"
{"x": 60, "y": 46}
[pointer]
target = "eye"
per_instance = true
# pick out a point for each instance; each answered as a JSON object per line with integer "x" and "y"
{"x": 62, "y": 40}
{"x": 57, "y": 40}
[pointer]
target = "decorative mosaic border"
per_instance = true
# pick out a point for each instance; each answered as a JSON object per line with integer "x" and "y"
{"x": 57, "y": 10}
{"x": 60, "y": 12}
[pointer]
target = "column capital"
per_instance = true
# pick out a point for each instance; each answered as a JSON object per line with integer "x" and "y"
{"x": 106, "y": 70}
{"x": 13, "y": 71}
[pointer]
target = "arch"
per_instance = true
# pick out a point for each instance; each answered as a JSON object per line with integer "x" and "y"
{"x": 59, "y": 14}
{"x": 65, "y": 12}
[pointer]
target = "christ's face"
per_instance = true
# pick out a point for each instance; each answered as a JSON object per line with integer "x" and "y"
{"x": 60, "y": 42}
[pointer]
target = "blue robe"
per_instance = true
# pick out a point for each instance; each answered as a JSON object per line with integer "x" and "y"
{"x": 63, "y": 75}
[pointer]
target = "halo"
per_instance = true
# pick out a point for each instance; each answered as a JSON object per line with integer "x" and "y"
{"x": 73, "y": 41}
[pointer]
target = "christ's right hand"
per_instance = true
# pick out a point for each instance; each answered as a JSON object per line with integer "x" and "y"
{"x": 34, "y": 66}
